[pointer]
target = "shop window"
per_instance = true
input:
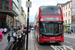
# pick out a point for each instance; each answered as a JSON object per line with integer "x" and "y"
{"x": 73, "y": 19}
{"x": 69, "y": 5}
{"x": 18, "y": 0}
{"x": 66, "y": 6}
{"x": 73, "y": 8}
{"x": 65, "y": 21}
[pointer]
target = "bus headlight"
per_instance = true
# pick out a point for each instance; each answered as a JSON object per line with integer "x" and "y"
{"x": 41, "y": 19}
{"x": 61, "y": 36}
{"x": 41, "y": 36}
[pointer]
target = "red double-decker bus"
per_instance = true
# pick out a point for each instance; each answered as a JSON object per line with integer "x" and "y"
{"x": 49, "y": 24}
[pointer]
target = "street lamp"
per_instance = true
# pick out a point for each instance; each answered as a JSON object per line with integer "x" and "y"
{"x": 28, "y": 4}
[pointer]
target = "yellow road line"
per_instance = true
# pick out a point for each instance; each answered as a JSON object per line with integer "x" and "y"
{"x": 36, "y": 47}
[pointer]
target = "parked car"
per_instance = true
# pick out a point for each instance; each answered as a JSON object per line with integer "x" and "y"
{"x": 32, "y": 28}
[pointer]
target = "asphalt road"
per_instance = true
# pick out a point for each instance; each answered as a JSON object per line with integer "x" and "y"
{"x": 69, "y": 44}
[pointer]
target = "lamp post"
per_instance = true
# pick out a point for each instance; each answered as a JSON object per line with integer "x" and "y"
{"x": 28, "y": 4}
{"x": 27, "y": 30}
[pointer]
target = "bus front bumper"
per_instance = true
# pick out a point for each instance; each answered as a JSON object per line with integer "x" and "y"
{"x": 50, "y": 40}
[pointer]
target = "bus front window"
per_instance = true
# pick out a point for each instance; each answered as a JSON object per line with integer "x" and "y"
{"x": 50, "y": 10}
{"x": 51, "y": 28}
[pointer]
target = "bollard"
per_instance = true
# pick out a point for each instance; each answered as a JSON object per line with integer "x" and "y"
{"x": 23, "y": 41}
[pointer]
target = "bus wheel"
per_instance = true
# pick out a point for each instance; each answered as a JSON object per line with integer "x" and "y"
{"x": 38, "y": 41}
{"x": 37, "y": 38}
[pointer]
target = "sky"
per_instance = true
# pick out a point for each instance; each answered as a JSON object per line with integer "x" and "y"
{"x": 35, "y": 5}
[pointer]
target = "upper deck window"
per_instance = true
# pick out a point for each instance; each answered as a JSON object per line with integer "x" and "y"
{"x": 50, "y": 10}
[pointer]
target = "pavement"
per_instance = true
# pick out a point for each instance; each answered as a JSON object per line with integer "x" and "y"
{"x": 31, "y": 42}
{"x": 69, "y": 35}
{"x": 4, "y": 42}
{"x": 31, "y": 45}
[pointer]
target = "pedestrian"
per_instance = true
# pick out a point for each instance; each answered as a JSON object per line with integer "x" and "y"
{"x": 19, "y": 32}
{"x": 1, "y": 36}
{"x": 8, "y": 38}
{"x": 22, "y": 29}
{"x": 71, "y": 31}
{"x": 11, "y": 29}
{"x": 29, "y": 29}
{"x": 25, "y": 30}
{"x": 1, "y": 30}
{"x": 14, "y": 34}
{"x": 35, "y": 27}
{"x": 5, "y": 30}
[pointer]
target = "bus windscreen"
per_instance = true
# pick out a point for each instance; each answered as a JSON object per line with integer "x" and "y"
{"x": 51, "y": 28}
{"x": 50, "y": 10}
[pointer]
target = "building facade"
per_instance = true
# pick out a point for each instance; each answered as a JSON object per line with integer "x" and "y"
{"x": 73, "y": 16}
{"x": 9, "y": 21}
{"x": 23, "y": 17}
{"x": 66, "y": 7}
{"x": 9, "y": 9}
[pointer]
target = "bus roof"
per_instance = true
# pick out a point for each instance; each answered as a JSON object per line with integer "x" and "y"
{"x": 49, "y": 5}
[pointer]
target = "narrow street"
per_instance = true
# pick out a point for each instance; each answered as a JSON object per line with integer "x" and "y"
{"x": 52, "y": 20}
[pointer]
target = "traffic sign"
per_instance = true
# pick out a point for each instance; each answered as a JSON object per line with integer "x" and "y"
{"x": 28, "y": 3}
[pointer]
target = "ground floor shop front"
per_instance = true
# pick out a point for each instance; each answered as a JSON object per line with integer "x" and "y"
{"x": 3, "y": 20}
{"x": 67, "y": 27}
{"x": 73, "y": 27}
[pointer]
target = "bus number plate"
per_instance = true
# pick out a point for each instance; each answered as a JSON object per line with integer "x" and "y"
{"x": 52, "y": 41}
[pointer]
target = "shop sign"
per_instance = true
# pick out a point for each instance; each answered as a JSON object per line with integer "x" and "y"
{"x": 21, "y": 24}
{"x": 28, "y": 3}
{"x": 1, "y": 16}
{"x": 51, "y": 18}
{"x": 68, "y": 24}
{"x": 10, "y": 4}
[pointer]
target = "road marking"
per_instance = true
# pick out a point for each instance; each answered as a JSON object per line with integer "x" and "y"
{"x": 53, "y": 47}
{"x": 68, "y": 47}
{"x": 36, "y": 48}
{"x": 64, "y": 47}
{"x": 59, "y": 48}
